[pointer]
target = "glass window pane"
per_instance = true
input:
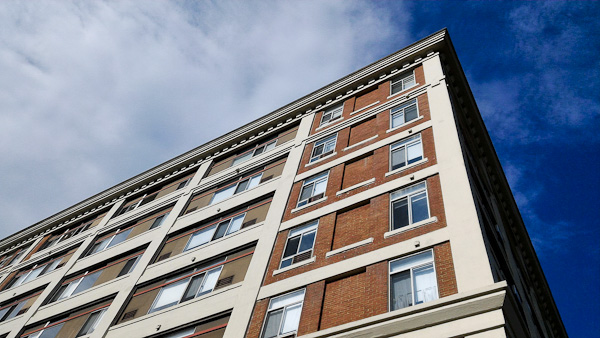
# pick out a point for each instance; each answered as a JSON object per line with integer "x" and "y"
{"x": 425, "y": 284}
{"x": 254, "y": 181}
{"x": 4, "y": 311}
{"x": 259, "y": 150}
{"x": 286, "y": 262}
{"x": 400, "y": 214}
{"x": 236, "y": 223}
{"x": 307, "y": 241}
{"x": 243, "y": 158}
{"x": 51, "y": 332}
{"x": 193, "y": 287}
{"x": 210, "y": 281}
{"x": 241, "y": 186}
{"x": 221, "y": 229}
{"x": 223, "y": 194}
{"x": 407, "y": 191}
{"x": 318, "y": 150}
{"x": 306, "y": 192}
{"x": 67, "y": 290}
{"x": 128, "y": 267}
{"x": 90, "y": 324}
{"x": 419, "y": 207}
{"x": 411, "y": 261}
{"x": 87, "y": 282}
{"x": 200, "y": 237}
{"x": 15, "y": 310}
{"x": 99, "y": 246}
{"x": 291, "y": 318}
{"x": 271, "y": 145}
{"x": 414, "y": 152}
{"x": 272, "y": 324}
{"x": 158, "y": 221}
{"x": 120, "y": 237}
{"x": 411, "y": 113}
{"x": 400, "y": 291}
{"x": 181, "y": 333}
{"x": 292, "y": 246}
{"x": 33, "y": 275}
{"x": 169, "y": 295}
{"x": 397, "y": 119}
{"x": 320, "y": 187}
{"x": 306, "y": 228}
{"x": 398, "y": 158}
{"x": 287, "y": 299}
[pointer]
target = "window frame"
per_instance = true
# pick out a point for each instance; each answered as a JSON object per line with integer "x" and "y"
{"x": 332, "y": 110}
{"x": 313, "y": 180}
{"x": 401, "y": 77}
{"x": 312, "y": 226}
{"x": 410, "y": 216}
{"x": 411, "y": 277}
{"x": 263, "y": 328}
{"x": 404, "y": 144}
{"x": 94, "y": 325}
{"x": 325, "y": 142}
{"x": 236, "y": 184}
{"x": 402, "y": 107}
{"x": 214, "y": 233}
{"x": 264, "y": 146}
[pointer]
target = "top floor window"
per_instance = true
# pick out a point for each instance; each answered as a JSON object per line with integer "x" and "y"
{"x": 323, "y": 147}
{"x": 12, "y": 257}
{"x": 332, "y": 113}
{"x": 404, "y": 113}
{"x": 313, "y": 189}
{"x": 39, "y": 269}
{"x": 283, "y": 315}
{"x": 403, "y": 82}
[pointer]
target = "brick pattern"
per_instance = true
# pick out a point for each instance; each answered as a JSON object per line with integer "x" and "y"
{"x": 258, "y": 317}
{"x": 353, "y": 225}
{"x": 377, "y": 223}
{"x": 358, "y": 170}
{"x": 444, "y": 269}
{"x": 362, "y": 131}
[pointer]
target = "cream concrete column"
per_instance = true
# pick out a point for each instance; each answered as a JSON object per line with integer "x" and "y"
{"x": 242, "y": 313}
{"x": 466, "y": 240}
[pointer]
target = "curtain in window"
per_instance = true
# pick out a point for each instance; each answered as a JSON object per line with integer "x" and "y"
{"x": 401, "y": 290}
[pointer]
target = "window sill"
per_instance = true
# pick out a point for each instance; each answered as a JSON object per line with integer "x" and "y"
{"x": 399, "y": 170}
{"x": 329, "y": 124}
{"x": 321, "y": 159}
{"x": 309, "y": 204}
{"x": 364, "y": 108}
{"x": 410, "y": 227}
{"x": 360, "y": 143}
{"x": 349, "y": 247}
{"x": 404, "y": 124}
{"x": 403, "y": 91}
{"x": 293, "y": 266}
{"x": 356, "y": 186}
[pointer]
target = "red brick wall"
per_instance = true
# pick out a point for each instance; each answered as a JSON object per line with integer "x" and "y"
{"x": 444, "y": 268}
{"x": 358, "y": 170}
{"x": 363, "y": 131}
{"x": 353, "y": 225}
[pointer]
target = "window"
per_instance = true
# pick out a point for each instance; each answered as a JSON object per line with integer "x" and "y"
{"x": 283, "y": 315}
{"x": 91, "y": 323}
{"x": 404, "y": 113}
{"x": 313, "y": 189}
{"x": 409, "y": 205}
{"x": 403, "y": 82}
{"x": 181, "y": 289}
{"x": 412, "y": 281}
{"x": 17, "y": 307}
{"x": 332, "y": 113}
{"x": 254, "y": 152}
{"x": 236, "y": 188}
{"x": 158, "y": 221}
{"x": 299, "y": 244}
{"x": 323, "y": 148}
{"x": 181, "y": 333}
{"x": 35, "y": 272}
{"x": 110, "y": 241}
{"x": 215, "y": 231}
{"x": 406, "y": 152}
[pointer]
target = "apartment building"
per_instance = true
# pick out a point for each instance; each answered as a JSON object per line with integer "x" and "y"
{"x": 372, "y": 207}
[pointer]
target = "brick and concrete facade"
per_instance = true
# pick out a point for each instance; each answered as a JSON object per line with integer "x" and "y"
{"x": 372, "y": 207}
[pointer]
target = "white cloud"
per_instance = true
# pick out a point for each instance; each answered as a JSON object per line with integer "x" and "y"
{"x": 92, "y": 93}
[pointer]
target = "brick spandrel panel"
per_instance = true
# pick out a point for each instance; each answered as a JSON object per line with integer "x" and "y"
{"x": 376, "y": 222}
{"x": 379, "y": 126}
{"x": 379, "y": 163}
{"x": 379, "y": 93}
{"x": 355, "y": 296}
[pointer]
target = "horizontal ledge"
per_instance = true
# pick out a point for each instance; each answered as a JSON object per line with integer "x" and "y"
{"x": 361, "y": 184}
{"x": 399, "y": 170}
{"x": 329, "y": 124}
{"x": 295, "y": 265}
{"x": 388, "y": 234}
{"x": 321, "y": 159}
{"x": 404, "y": 124}
{"x": 364, "y": 108}
{"x": 349, "y": 247}
{"x": 360, "y": 143}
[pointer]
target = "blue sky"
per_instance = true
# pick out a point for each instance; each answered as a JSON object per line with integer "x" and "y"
{"x": 94, "y": 93}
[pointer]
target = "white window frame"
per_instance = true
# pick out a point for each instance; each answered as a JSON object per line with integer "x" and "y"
{"x": 213, "y": 232}
{"x": 310, "y": 227}
{"x": 416, "y": 139}
{"x": 327, "y": 142}
{"x": 110, "y": 240}
{"x": 46, "y": 268}
{"x": 403, "y": 79}
{"x": 284, "y": 308}
{"x": 323, "y": 177}
{"x": 432, "y": 261}
{"x": 334, "y": 112}
{"x": 400, "y": 109}
{"x": 422, "y": 186}
{"x": 94, "y": 325}
{"x": 187, "y": 284}
{"x": 265, "y": 147}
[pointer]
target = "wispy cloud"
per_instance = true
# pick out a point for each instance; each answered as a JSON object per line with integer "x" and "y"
{"x": 92, "y": 93}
